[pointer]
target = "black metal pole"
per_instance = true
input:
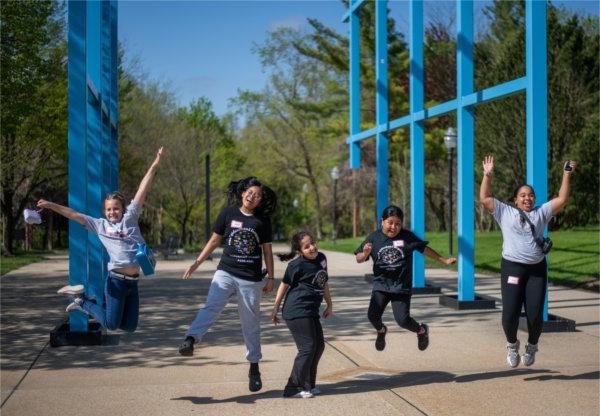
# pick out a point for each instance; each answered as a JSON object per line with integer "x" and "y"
{"x": 207, "y": 197}
{"x": 334, "y": 233}
{"x": 450, "y": 226}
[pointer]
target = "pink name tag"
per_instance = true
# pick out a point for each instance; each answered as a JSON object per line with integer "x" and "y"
{"x": 399, "y": 243}
{"x": 513, "y": 280}
{"x": 236, "y": 224}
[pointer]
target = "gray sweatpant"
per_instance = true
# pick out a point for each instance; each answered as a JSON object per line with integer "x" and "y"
{"x": 222, "y": 287}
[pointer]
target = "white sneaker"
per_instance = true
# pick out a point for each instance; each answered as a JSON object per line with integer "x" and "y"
{"x": 75, "y": 306}
{"x": 71, "y": 290}
{"x": 512, "y": 355}
{"x": 304, "y": 394}
{"x": 529, "y": 357}
{"x": 315, "y": 390}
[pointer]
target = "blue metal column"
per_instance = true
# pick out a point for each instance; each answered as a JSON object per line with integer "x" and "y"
{"x": 537, "y": 103}
{"x": 417, "y": 138}
{"x": 77, "y": 151}
{"x": 114, "y": 96}
{"x": 94, "y": 141}
{"x": 381, "y": 46}
{"x": 105, "y": 94}
{"x": 465, "y": 124}
{"x": 354, "y": 87}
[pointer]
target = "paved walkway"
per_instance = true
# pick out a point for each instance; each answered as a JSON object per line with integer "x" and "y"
{"x": 462, "y": 373}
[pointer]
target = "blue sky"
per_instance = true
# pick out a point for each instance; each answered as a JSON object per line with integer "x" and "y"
{"x": 204, "y": 48}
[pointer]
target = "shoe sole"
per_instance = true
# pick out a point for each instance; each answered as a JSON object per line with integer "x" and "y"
{"x": 71, "y": 290}
{"x": 186, "y": 352}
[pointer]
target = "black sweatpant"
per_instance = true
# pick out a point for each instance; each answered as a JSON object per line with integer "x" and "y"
{"x": 400, "y": 306}
{"x": 523, "y": 284}
{"x": 308, "y": 335}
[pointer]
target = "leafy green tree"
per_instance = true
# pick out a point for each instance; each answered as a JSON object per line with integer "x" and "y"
{"x": 33, "y": 95}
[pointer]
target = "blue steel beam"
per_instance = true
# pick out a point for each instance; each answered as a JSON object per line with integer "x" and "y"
{"x": 381, "y": 104}
{"x": 114, "y": 94}
{"x": 417, "y": 137}
{"x": 354, "y": 88}
{"x": 105, "y": 88}
{"x": 484, "y": 96}
{"x": 353, "y": 9}
{"x": 77, "y": 151}
{"x": 465, "y": 124}
{"x": 537, "y": 103}
{"x": 94, "y": 147}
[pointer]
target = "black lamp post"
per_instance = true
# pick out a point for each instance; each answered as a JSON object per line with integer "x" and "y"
{"x": 450, "y": 142}
{"x": 335, "y": 175}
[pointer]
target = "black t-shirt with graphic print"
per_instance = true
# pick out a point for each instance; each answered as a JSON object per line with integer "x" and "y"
{"x": 392, "y": 260}
{"x": 242, "y": 239}
{"x": 307, "y": 279}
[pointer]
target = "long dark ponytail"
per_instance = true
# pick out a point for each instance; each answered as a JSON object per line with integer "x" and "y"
{"x": 295, "y": 248}
{"x": 268, "y": 202}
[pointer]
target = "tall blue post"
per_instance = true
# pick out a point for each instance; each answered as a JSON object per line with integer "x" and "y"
{"x": 537, "y": 103}
{"x": 77, "y": 151}
{"x": 417, "y": 138}
{"x": 354, "y": 87}
{"x": 465, "y": 124}
{"x": 381, "y": 79}
{"x": 94, "y": 143}
{"x": 92, "y": 140}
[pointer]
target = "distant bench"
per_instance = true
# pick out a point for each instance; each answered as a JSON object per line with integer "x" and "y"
{"x": 168, "y": 248}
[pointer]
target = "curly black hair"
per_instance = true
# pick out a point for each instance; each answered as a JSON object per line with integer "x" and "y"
{"x": 268, "y": 202}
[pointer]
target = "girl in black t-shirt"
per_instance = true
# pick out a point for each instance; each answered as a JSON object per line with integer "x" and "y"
{"x": 304, "y": 286}
{"x": 244, "y": 228}
{"x": 391, "y": 249}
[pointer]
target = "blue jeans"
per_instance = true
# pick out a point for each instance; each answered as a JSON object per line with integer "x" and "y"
{"x": 249, "y": 294}
{"x": 122, "y": 305}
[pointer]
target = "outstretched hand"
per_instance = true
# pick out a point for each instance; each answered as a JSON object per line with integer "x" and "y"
{"x": 449, "y": 260}
{"x": 42, "y": 203}
{"x": 488, "y": 165}
{"x": 158, "y": 155}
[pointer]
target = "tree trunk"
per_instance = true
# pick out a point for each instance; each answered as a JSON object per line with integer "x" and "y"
{"x": 50, "y": 232}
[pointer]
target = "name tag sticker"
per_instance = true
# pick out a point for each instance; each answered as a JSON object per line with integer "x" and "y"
{"x": 513, "y": 280}
{"x": 236, "y": 224}
{"x": 399, "y": 243}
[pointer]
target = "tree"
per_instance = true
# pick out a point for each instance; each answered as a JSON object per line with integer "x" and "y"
{"x": 33, "y": 94}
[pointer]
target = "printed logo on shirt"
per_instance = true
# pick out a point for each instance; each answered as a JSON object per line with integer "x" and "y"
{"x": 244, "y": 240}
{"x": 390, "y": 255}
{"x": 324, "y": 264}
{"x": 320, "y": 279}
{"x": 513, "y": 280}
{"x": 236, "y": 224}
{"x": 399, "y": 243}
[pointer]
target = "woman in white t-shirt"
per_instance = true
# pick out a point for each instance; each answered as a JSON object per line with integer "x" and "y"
{"x": 524, "y": 268}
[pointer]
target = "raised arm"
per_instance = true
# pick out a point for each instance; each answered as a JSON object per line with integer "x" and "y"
{"x": 62, "y": 210}
{"x": 364, "y": 255}
{"x": 558, "y": 203}
{"x": 485, "y": 191}
{"x": 267, "y": 249}
{"x": 140, "y": 195}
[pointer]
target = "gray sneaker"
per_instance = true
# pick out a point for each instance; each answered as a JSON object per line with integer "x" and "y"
{"x": 75, "y": 306}
{"x": 512, "y": 356}
{"x": 529, "y": 357}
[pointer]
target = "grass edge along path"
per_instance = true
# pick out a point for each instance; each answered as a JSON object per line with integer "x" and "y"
{"x": 573, "y": 261}
{"x": 20, "y": 259}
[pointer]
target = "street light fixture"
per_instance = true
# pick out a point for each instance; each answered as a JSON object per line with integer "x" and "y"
{"x": 450, "y": 143}
{"x": 335, "y": 175}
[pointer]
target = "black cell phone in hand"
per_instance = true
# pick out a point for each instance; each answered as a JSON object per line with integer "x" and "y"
{"x": 568, "y": 167}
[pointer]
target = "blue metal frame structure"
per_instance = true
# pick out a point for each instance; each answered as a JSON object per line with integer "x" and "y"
{"x": 534, "y": 84}
{"x": 92, "y": 136}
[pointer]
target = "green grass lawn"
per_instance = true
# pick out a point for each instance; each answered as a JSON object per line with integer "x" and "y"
{"x": 574, "y": 259}
{"x": 20, "y": 259}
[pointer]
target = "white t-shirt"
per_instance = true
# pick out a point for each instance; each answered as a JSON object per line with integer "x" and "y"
{"x": 518, "y": 243}
{"x": 120, "y": 239}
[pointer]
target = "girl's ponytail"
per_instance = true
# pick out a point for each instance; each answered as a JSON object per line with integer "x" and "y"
{"x": 295, "y": 247}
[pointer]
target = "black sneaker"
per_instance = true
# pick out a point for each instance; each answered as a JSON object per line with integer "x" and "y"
{"x": 187, "y": 347}
{"x": 255, "y": 383}
{"x": 423, "y": 339}
{"x": 380, "y": 341}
